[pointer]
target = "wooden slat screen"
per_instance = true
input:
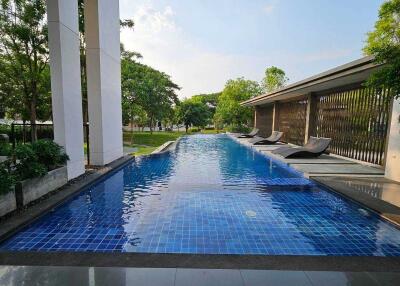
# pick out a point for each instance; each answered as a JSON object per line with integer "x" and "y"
{"x": 264, "y": 117}
{"x": 356, "y": 120}
{"x": 292, "y": 120}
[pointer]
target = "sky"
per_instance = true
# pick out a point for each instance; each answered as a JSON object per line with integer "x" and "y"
{"x": 203, "y": 43}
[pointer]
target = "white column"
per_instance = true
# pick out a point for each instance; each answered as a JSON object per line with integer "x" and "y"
{"x": 392, "y": 170}
{"x": 102, "y": 28}
{"x": 66, "y": 81}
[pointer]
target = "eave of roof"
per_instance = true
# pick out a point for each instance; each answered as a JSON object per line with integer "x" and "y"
{"x": 362, "y": 65}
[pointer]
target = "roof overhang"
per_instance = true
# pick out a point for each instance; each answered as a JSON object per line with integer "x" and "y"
{"x": 351, "y": 73}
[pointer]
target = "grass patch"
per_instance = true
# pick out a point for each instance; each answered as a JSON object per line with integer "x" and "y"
{"x": 212, "y": 131}
{"x": 151, "y": 140}
{"x": 147, "y": 142}
{"x": 143, "y": 150}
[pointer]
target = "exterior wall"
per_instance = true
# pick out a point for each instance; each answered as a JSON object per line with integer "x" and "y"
{"x": 392, "y": 170}
{"x": 264, "y": 120}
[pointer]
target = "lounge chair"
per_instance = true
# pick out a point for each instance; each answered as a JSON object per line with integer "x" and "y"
{"x": 274, "y": 138}
{"x": 249, "y": 135}
{"x": 314, "y": 148}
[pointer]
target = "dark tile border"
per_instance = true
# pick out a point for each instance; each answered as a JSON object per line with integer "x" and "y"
{"x": 17, "y": 221}
{"x": 153, "y": 260}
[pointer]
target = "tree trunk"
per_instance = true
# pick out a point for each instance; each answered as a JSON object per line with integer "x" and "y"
{"x": 131, "y": 128}
{"x": 151, "y": 125}
{"x": 33, "y": 118}
{"x": 186, "y": 128}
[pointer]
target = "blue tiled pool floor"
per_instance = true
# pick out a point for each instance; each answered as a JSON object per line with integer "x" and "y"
{"x": 211, "y": 196}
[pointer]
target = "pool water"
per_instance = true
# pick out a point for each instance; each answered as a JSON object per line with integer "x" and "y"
{"x": 215, "y": 196}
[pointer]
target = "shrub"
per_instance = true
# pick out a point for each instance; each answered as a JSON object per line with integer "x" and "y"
{"x": 37, "y": 159}
{"x": 7, "y": 179}
{"x": 27, "y": 165}
{"x": 5, "y": 149}
{"x": 194, "y": 129}
{"x": 237, "y": 128}
{"x": 49, "y": 154}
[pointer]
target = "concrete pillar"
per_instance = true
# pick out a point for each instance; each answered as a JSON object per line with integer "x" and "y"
{"x": 255, "y": 116}
{"x": 392, "y": 170}
{"x": 275, "y": 117}
{"x": 102, "y": 28}
{"x": 66, "y": 81}
{"x": 310, "y": 116}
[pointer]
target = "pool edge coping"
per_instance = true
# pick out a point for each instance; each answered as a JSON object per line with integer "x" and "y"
{"x": 204, "y": 261}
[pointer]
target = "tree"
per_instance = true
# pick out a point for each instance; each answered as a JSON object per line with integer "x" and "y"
{"x": 193, "y": 113}
{"x": 24, "y": 56}
{"x": 152, "y": 90}
{"x": 229, "y": 110}
{"x": 210, "y": 101}
{"x": 384, "y": 44}
{"x": 274, "y": 79}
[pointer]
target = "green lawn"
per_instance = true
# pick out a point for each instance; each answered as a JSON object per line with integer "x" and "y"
{"x": 147, "y": 139}
{"x": 147, "y": 142}
{"x": 143, "y": 150}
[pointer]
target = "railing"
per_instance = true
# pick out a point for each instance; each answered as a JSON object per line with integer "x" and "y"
{"x": 23, "y": 133}
{"x": 357, "y": 121}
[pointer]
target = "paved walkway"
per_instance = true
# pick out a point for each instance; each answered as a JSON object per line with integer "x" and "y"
{"x": 324, "y": 166}
{"x": 93, "y": 276}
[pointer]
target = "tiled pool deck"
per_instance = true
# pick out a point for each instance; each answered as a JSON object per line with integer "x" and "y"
{"x": 83, "y": 276}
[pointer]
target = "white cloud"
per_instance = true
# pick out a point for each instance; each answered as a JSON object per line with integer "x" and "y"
{"x": 198, "y": 69}
{"x": 165, "y": 46}
{"x": 269, "y": 8}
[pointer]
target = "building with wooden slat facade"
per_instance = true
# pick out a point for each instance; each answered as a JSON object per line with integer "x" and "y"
{"x": 362, "y": 122}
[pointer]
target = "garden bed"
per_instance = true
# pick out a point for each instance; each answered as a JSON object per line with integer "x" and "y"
{"x": 7, "y": 203}
{"x": 33, "y": 189}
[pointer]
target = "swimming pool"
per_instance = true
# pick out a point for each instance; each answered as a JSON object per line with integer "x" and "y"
{"x": 211, "y": 196}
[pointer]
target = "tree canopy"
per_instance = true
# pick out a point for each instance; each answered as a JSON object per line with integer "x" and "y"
{"x": 24, "y": 54}
{"x": 229, "y": 111}
{"x": 192, "y": 112}
{"x": 384, "y": 44}
{"x": 148, "y": 88}
{"x": 275, "y": 78}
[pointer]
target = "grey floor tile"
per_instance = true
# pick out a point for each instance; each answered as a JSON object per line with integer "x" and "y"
{"x": 327, "y": 278}
{"x": 43, "y": 276}
{"x": 150, "y": 276}
{"x": 274, "y": 278}
{"x": 208, "y": 277}
{"x": 84, "y": 276}
{"x": 385, "y": 278}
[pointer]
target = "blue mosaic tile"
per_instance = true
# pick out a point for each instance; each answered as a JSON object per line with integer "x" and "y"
{"x": 211, "y": 196}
